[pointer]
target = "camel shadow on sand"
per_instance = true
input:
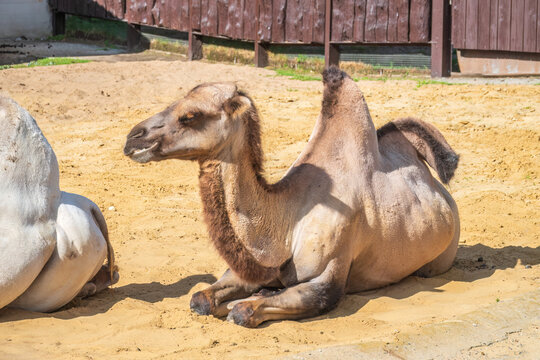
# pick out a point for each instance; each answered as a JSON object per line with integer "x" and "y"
{"x": 148, "y": 292}
{"x": 472, "y": 263}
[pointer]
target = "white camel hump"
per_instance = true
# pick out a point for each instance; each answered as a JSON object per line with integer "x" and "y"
{"x": 357, "y": 210}
{"x": 52, "y": 243}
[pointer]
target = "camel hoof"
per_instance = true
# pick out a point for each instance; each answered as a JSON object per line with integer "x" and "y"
{"x": 242, "y": 314}
{"x": 200, "y": 304}
{"x": 88, "y": 289}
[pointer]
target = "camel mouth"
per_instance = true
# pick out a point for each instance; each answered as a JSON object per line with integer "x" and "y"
{"x": 143, "y": 155}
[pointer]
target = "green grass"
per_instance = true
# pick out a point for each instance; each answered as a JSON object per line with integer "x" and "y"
{"x": 45, "y": 62}
{"x": 59, "y": 37}
{"x": 423, "y": 82}
{"x": 295, "y": 75}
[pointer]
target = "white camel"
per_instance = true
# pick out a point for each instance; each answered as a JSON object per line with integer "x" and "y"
{"x": 52, "y": 243}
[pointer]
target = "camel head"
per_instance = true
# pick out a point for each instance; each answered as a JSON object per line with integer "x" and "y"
{"x": 200, "y": 126}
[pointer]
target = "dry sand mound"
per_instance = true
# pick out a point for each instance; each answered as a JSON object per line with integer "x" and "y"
{"x": 154, "y": 216}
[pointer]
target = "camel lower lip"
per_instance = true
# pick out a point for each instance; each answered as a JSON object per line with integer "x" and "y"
{"x": 142, "y": 151}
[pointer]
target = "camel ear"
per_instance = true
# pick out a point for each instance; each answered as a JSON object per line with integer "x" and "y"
{"x": 237, "y": 105}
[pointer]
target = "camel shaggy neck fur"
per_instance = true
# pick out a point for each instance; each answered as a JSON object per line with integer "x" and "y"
{"x": 357, "y": 210}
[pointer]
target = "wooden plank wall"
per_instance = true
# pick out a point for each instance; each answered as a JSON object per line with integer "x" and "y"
{"x": 280, "y": 21}
{"x": 502, "y": 25}
{"x": 381, "y": 21}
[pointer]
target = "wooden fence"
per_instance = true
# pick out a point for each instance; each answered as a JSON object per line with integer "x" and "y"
{"x": 496, "y": 25}
{"x": 331, "y": 23}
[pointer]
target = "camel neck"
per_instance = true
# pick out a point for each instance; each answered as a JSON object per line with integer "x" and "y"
{"x": 238, "y": 209}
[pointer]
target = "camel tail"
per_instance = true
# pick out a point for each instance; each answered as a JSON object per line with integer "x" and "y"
{"x": 102, "y": 224}
{"x": 428, "y": 142}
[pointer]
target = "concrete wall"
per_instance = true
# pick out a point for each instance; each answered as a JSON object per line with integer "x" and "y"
{"x": 29, "y": 18}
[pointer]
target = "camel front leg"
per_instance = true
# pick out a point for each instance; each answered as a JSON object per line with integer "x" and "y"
{"x": 213, "y": 300}
{"x": 297, "y": 302}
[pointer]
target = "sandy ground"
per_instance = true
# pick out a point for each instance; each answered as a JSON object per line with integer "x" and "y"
{"x": 486, "y": 306}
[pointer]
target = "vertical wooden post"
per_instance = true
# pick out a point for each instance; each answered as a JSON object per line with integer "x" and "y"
{"x": 261, "y": 52}
{"x": 133, "y": 36}
{"x": 59, "y": 23}
{"x": 194, "y": 46}
{"x": 441, "y": 46}
{"x": 261, "y": 55}
{"x": 331, "y": 52}
{"x": 194, "y": 41}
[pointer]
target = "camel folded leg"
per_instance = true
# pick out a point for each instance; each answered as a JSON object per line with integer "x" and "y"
{"x": 99, "y": 282}
{"x": 213, "y": 300}
{"x": 80, "y": 251}
{"x": 297, "y": 302}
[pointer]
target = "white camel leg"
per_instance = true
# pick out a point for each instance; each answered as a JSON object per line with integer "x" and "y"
{"x": 80, "y": 251}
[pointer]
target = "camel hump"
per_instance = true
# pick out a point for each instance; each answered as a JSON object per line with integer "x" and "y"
{"x": 428, "y": 142}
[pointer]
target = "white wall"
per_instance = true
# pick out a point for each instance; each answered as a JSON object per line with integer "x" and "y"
{"x": 29, "y": 18}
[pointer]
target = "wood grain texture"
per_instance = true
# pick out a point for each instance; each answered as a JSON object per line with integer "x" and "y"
{"x": 530, "y": 25}
{"x": 420, "y": 21}
{"x": 483, "y": 24}
{"x": 359, "y": 20}
{"x": 223, "y": 16}
{"x": 516, "y": 25}
{"x": 265, "y": 21}
{"x": 250, "y": 23}
{"x": 318, "y": 21}
{"x": 503, "y": 25}
{"x": 307, "y": 8}
{"x": 278, "y": 20}
{"x": 382, "y": 21}
{"x": 393, "y": 16}
{"x": 403, "y": 21}
{"x": 471, "y": 27}
{"x": 293, "y": 21}
{"x": 371, "y": 21}
{"x": 493, "y": 22}
{"x": 459, "y": 12}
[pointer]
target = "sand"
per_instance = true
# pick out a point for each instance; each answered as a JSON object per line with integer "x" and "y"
{"x": 486, "y": 306}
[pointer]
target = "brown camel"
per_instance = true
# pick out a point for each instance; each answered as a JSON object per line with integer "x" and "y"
{"x": 357, "y": 210}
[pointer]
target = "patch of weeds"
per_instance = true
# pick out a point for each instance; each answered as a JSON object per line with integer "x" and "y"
{"x": 45, "y": 62}
{"x": 170, "y": 46}
{"x": 96, "y": 29}
{"x": 216, "y": 53}
{"x": 59, "y": 37}
{"x": 422, "y": 82}
{"x": 292, "y": 90}
{"x": 371, "y": 78}
{"x": 295, "y": 75}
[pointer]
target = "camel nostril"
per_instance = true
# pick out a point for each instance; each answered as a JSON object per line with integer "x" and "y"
{"x": 137, "y": 133}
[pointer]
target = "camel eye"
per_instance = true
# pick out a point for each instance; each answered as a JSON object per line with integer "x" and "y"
{"x": 189, "y": 117}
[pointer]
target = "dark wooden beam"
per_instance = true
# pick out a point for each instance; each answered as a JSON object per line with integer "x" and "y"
{"x": 331, "y": 52}
{"x": 441, "y": 48}
{"x": 261, "y": 50}
{"x": 59, "y": 23}
{"x": 194, "y": 46}
{"x": 194, "y": 40}
{"x": 261, "y": 55}
{"x": 134, "y": 36}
